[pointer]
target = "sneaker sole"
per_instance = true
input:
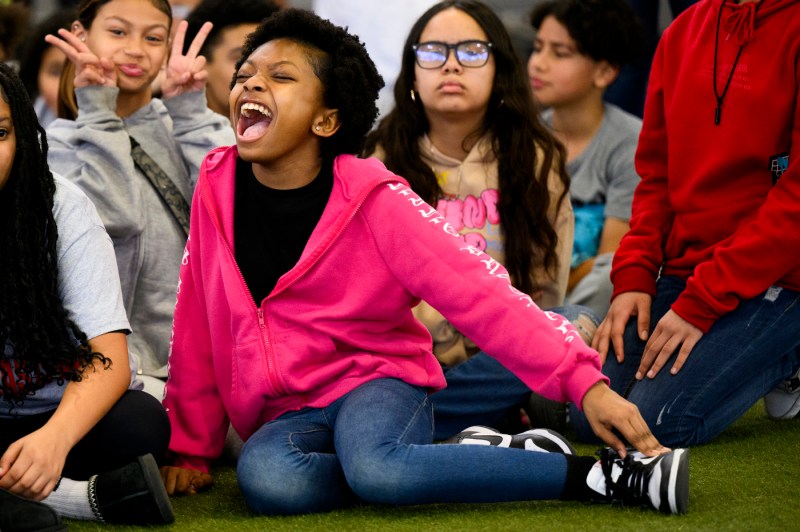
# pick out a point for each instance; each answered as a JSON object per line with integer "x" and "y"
{"x": 155, "y": 487}
{"x": 675, "y": 492}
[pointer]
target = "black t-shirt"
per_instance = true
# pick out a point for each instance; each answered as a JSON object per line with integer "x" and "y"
{"x": 271, "y": 227}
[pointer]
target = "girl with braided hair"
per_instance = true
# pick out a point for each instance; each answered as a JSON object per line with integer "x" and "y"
{"x": 74, "y": 433}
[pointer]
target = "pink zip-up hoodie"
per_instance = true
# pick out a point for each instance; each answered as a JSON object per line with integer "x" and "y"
{"x": 342, "y": 316}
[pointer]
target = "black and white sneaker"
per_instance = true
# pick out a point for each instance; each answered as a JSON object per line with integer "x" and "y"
{"x": 659, "y": 482}
{"x": 539, "y": 440}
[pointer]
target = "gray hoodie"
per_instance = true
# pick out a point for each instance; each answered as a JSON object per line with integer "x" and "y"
{"x": 94, "y": 152}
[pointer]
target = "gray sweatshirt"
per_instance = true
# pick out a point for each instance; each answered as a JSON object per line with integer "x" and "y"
{"x": 94, "y": 152}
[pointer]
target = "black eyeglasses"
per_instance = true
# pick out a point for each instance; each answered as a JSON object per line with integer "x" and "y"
{"x": 434, "y": 54}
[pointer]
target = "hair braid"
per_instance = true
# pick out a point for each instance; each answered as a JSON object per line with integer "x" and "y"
{"x": 39, "y": 338}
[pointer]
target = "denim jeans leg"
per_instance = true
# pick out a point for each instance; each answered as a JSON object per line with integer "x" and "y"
{"x": 383, "y": 436}
{"x": 289, "y": 467}
{"x": 741, "y": 358}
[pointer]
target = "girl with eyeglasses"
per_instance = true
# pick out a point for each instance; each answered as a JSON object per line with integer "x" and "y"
{"x": 466, "y": 135}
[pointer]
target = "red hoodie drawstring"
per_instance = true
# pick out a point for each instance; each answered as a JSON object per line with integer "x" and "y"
{"x": 740, "y": 21}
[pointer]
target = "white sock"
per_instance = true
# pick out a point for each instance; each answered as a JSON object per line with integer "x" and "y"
{"x": 71, "y": 500}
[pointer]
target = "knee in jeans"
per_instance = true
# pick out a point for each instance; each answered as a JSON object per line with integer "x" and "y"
{"x": 374, "y": 479}
{"x": 271, "y": 488}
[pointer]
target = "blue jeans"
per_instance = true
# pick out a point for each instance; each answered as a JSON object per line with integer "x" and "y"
{"x": 375, "y": 444}
{"x": 481, "y": 391}
{"x": 746, "y": 354}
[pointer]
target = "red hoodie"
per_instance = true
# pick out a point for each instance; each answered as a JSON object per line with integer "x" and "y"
{"x": 708, "y": 208}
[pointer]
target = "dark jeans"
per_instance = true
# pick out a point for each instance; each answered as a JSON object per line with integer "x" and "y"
{"x": 137, "y": 424}
{"x": 376, "y": 444}
{"x": 745, "y": 355}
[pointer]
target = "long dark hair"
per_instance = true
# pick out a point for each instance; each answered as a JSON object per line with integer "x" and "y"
{"x": 526, "y": 151}
{"x": 87, "y": 12}
{"x": 46, "y": 344}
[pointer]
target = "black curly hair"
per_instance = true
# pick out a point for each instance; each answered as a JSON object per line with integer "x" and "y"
{"x": 349, "y": 78}
{"x": 46, "y": 345}
{"x": 605, "y": 30}
{"x": 526, "y": 151}
{"x": 224, "y": 14}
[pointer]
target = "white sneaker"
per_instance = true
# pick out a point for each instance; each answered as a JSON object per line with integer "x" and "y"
{"x": 784, "y": 401}
{"x": 658, "y": 482}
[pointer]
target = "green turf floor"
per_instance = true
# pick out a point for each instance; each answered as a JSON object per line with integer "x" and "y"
{"x": 748, "y": 479}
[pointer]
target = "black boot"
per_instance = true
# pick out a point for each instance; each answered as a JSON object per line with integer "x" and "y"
{"x": 131, "y": 495}
{"x": 25, "y": 515}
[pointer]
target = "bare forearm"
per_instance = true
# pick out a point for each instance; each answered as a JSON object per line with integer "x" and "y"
{"x": 86, "y": 402}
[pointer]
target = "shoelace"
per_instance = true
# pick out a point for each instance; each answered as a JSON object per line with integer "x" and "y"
{"x": 631, "y": 486}
{"x": 790, "y": 385}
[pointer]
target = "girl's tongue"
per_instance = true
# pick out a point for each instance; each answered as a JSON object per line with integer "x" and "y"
{"x": 252, "y": 128}
{"x": 253, "y": 124}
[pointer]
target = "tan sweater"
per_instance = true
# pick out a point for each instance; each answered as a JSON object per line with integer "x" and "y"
{"x": 470, "y": 190}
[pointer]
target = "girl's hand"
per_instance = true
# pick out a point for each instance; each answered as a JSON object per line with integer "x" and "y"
{"x": 606, "y": 411}
{"x": 672, "y": 331}
{"x": 31, "y": 466}
{"x": 610, "y": 330}
{"x": 89, "y": 69}
{"x": 182, "y": 481}
{"x": 185, "y": 73}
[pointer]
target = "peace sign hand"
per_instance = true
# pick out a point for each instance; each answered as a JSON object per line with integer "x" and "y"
{"x": 186, "y": 73}
{"x": 89, "y": 69}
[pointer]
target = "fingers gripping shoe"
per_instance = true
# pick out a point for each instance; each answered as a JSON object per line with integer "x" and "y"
{"x": 784, "y": 401}
{"x": 131, "y": 495}
{"x": 541, "y": 440}
{"x": 659, "y": 482}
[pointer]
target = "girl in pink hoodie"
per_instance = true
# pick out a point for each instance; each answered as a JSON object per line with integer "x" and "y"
{"x": 293, "y": 320}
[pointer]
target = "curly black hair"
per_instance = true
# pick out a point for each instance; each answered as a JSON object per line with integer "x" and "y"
{"x": 526, "y": 151}
{"x": 605, "y": 30}
{"x": 349, "y": 78}
{"x": 45, "y": 344}
{"x": 224, "y": 14}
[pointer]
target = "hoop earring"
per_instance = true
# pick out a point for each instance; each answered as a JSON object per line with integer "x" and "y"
{"x": 413, "y": 96}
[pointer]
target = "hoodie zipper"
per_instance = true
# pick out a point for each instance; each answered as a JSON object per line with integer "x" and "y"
{"x": 266, "y": 344}
{"x": 271, "y": 369}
